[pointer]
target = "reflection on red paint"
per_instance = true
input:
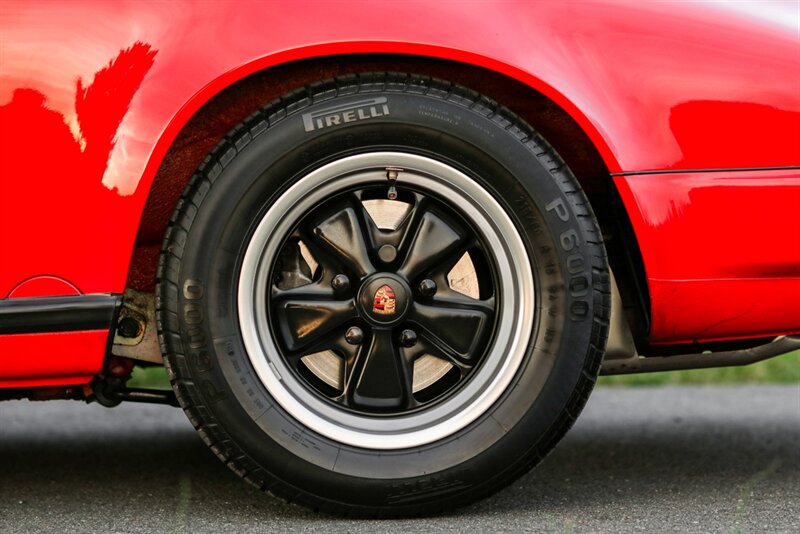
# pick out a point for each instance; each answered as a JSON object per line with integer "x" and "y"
{"x": 100, "y": 107}
{"x": 44, "y": 159}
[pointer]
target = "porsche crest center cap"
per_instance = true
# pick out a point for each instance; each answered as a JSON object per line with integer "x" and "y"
{"x": 385, "y": 301}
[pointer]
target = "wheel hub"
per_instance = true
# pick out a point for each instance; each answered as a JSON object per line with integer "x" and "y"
{"x": 384, "y": 299}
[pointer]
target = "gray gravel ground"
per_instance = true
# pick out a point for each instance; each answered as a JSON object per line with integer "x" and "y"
{"x": 678, "y": 459}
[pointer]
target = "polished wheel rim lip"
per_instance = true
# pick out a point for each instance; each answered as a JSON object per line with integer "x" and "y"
{"x": 515, "y": 308}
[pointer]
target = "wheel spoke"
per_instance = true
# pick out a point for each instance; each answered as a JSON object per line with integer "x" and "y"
{"x": 304, "y": 321}
{"x": 383, "y": 378}
{"x": 314, "y": 291}
{"x": 428, "y": 241}
{"x": 455, "y": 324}
{"x": 427, "y": 345}
{"x": 294, "y": 271}
{"x": 344, "y": 236}
{"x": 352, "y": 355}
{"x": 447, "y": 298}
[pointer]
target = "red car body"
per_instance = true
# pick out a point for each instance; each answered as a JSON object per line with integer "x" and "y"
{"x": 690, "y": 112}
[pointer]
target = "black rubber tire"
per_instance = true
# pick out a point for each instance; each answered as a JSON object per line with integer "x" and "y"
{"x": 197, "y": 314}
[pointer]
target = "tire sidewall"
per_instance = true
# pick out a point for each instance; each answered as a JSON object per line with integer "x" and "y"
{"x": 503, "y": 438}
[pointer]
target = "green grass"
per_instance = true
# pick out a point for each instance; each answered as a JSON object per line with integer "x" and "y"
{"x": 149, "y": 377}
{"x": 781, "y": 370}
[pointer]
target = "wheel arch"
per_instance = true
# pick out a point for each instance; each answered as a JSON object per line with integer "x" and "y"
{"x": 225, "y": 101}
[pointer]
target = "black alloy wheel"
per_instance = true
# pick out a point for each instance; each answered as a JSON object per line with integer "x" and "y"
{"x": 376, "y": 326}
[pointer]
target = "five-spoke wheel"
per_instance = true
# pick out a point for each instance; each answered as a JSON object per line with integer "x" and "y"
{"x": 378, "y": 308}
{"x": 382, "y": 295}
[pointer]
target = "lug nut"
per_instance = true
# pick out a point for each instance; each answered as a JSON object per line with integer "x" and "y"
{"x": 354, "y": 335}
{"x": 387, "y": 253}
{"x": 408, "y": 338}
{"x": 427, "y": 287}
{"x": 340, "y": 282}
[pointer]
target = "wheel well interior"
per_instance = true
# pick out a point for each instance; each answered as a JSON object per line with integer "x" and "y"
{"x": 232, "y": 105}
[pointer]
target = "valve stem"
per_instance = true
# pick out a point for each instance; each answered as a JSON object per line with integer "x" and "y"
{"x": 391, "y": 175}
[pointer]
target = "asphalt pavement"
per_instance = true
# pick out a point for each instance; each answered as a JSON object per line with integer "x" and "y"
{"x": 677, "y": 459}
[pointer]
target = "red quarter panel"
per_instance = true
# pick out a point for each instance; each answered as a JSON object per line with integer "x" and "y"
{"x": 721, "y": 251}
